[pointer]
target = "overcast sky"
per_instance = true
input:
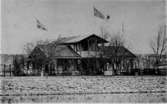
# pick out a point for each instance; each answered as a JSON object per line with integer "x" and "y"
{"x": 141, "y": 20}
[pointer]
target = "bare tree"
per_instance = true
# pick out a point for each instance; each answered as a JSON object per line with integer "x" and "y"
{"x": 119, "y": 59}
{"x": 28, "y": 47}
{"x": 159, "y": 43}
{"x": 42, "y": 42}
{"x": 117, "y": 40}
{"x": 38, "y": 59}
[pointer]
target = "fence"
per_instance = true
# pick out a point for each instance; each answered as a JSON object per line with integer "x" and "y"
{"x": 6, "y": 70}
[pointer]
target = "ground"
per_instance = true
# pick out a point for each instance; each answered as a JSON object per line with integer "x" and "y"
{"x": 89, "y": 86}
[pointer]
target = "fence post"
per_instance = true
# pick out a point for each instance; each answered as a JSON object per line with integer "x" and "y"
{"x": 4, "y": 70}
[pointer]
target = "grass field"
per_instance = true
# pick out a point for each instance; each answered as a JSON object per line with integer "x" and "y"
{"x": 85, "y": 88}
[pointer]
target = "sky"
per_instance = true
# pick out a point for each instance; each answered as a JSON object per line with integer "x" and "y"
{"x": 141, "y": 19}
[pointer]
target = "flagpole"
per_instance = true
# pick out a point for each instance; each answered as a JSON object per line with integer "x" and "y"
{"x": 94, "y": 19}
{"x": 100, "y": 15}
{"x": 123, "y": 27}
{"x": 123, "y": 30}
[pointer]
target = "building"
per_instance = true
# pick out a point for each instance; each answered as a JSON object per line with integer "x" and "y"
{"x": 148, "y": 65}
{"x": 120, "y": 59}
{"x": 77, "y": 55}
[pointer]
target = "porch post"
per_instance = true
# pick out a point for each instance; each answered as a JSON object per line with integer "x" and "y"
{"x": 10, "y": 68}
{"x": 4, "y": 70}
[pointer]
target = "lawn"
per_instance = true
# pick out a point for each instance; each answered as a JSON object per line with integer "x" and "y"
{"x": 82, "y": 85}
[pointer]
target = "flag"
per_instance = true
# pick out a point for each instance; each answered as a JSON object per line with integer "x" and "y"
{"x": 97, "y": 13}
{"x": 40, "y": 25}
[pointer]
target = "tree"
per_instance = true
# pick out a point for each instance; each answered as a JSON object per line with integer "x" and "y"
{"x": 159, "y": 44}
{"x": 117, "y": 40}
{"x": 40, "y": 60}
{"x": 18, "y": 62}
{"x": 28, "y": 47}
{"x": 119, "y": 59}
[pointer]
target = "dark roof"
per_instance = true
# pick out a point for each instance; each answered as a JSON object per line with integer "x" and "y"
{"x": 79, "y": 38}
{"x": 163, "y": 64}
{"x": 155, "y": 55}
{"x": 46, "y": 49}
{"x": 57, "y": 51}
{"x": 114, "y": 51}
{"x": 65, "y": 51}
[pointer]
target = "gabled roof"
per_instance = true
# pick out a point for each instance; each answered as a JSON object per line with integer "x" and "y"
{"x": 56, "y": 51}
{"x": 113, "y": 51}
{"x": 47, "y": 49}
{"x": 63, "y": 51}
{"x": 79, "y": 38}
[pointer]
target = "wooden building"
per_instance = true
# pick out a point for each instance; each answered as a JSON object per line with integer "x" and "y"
{"x": 53, "y": 59}
{"x": 120, "y": 60}
{"x": 75, "y": 55}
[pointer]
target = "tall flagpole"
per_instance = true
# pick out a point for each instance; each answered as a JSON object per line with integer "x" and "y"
{"x": 104, "y": 31}
{"x": 123, "y": 30}
{"x": 104, "y": 26}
